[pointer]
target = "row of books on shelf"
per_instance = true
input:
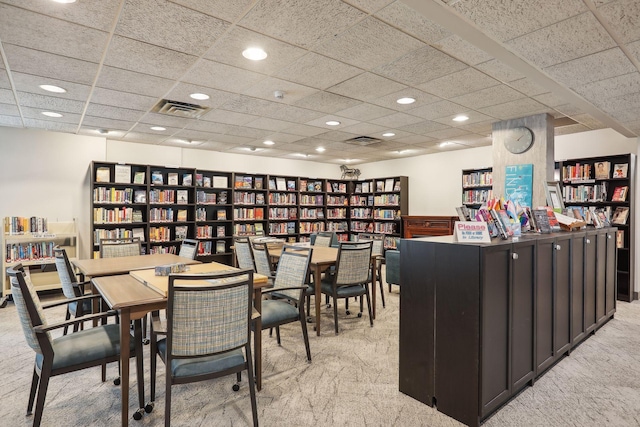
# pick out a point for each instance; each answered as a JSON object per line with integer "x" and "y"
{"x": 337, "y": 200}
{"x": 387, "y": 185}
{"x": 387, "y": 200}
{"x": 476, "y": 196}
{"x": 386, "y": 214}
{"x": 21, "y": 225}
{"x": 338, "y": 226}
{"x": 313, "y": 186}
{"x": 311, "y": 213}
{"x": 311, "y": 227}
{"x": 202, "y": 215}
{"x": 282, "y": 228}
{"x": 336, "y": 213}
{"x": 116, "y": 215}
{"x": 157, "y": 178}
{"x": 246, "y": 198}
{"x": 311, "y": 200}
{"x": 205, "y": 247}
{"x": 33, "y": 251}
{"x": 594, "y": 193}
{"x": 122, "y": 175}
{"x": 211, "y": 181}
{"x": 248, "y": 181}
{"x": 600, "y": 216}
{"x": 114, "y": 195}
{"x": 118, "y": 233}
{"x": 477, "y": 179}
{"x": 283, "y": 213}
{"x": 599, "y": 170}
{"x": 282, "y": 199}
{"x": 248, "y": 213}
{"x": 282, "y": 184}
{"x": 247, "y": 229}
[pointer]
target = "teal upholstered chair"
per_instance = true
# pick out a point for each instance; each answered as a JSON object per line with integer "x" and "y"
{"x": 376, "y": 249}
{"x": 289, "y": 289}
{"x": 55, "y": 356}
{"x": 206, "y": 334}
{"x": 114, "y": 248}
{"x": 72, "y": 288}
{"x": 352, "y": 276}
{"x": 392, "y": 265}
{"x": 188, "y": 248}
{"x": 244, "y": 255}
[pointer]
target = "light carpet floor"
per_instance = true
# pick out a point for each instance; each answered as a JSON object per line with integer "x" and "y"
{"x": 352, "y": 381}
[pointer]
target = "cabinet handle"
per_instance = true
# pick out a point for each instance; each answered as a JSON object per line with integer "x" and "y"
{"x": 588, "y": 241}
{"x": 558, "y": 247}
{"x": 514, "y": 256}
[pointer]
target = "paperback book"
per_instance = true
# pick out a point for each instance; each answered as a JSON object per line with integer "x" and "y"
{"x": 620, "y": 170}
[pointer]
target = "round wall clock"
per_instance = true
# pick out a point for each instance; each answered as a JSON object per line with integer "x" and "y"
{"x": 518, "y": 140}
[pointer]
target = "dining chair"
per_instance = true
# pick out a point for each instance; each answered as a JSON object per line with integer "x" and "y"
{"x": 262, "y": 260}
{"x": 71, "y": 288}
{"x": 206, "y": 330}
{"x": 244, "y": 255}
{"x": 351, "y": 278}
{"x": 378, "y": 250}
{"x": 83, "y": 349}
{"x": 188, "y": 248}
{"x": 324, "y": 238}
{"x": 113, "y": 248}
{"x": 289, "y": 291}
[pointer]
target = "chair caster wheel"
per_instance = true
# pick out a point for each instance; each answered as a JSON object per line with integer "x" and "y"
{"x": 348, "y": 312}
{"x": 236, "y": 387}
{"x": 359, "y": 314}
{"x": 149, "y": 407}
{"x": 138, "y": 414}
{"x": 116, "y": 381}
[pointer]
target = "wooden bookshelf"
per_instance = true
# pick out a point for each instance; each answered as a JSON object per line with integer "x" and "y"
{"x": 477, "y": 188}
{"x": 595, "y": 184}
{"x": 213, "y": 215}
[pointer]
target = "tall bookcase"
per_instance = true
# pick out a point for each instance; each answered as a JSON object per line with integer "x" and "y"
{"x": 477, "y": 188}
{"x": 33, "y": 248}
{"x": 163, "y": 205}
{"x": 605, "y": 185}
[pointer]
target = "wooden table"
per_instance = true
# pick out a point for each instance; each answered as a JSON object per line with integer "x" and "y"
{"x": 123, "y": 265}
{"x": 134, "y": 297}
{"x": 323, "y": 257}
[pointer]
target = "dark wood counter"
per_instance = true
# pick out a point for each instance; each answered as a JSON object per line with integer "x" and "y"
{"x": 415, "y": 226}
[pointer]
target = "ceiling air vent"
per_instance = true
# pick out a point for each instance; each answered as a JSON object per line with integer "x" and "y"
{"x": 180, "y": 109}
{"x": 362, "y": 140}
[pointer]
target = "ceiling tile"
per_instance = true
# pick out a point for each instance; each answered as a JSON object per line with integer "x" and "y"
{"x": 458, "y": 83}
{"x": 337, "y": 135}
{"x": 505, "y": 21}
{"x": 129, "y": 81}
{"x": 398, "y": 120}
{"x": 269, "y": 124}
{"x": 293, "y": 114}
{"x": 266, "y": 90}
{"x": 182, "y": 92}
{"x": 50, "y": 103}
{"x": 115, "y": 113}
{"x": 366, "y": 87}
{"x": 249, "y": 105}
{"x": 308, "y": 23}
{"x": 206, "y": 126}
{"x": 499, "y": 71}
{"x": 569, "y": 110}
{"x": 220, "y": 76}
{"x": 565, "y": 130}
{"x": 122, "y": 99}
{"x": 282, "y": 138}
{"x": 369, "y": 6}
{"x": 573, "y": 38}
{"x": 9, "y": 110}
{"x": 232, "y": 139}
{"x": 420, "y": 66}
{"x": 450, "y": 133}
{"x": 4, "y": 80}
{"x": 462, "y": 50}
{"x": 438, "y": 110}
{"x": 146, "y": 128}
{"x": 369, "y": 44}
{"x": 49, "y": 125}
{"x": 391, "y": 100}
{"x": 93, "y": 14}
{"x": 91, "y": 131}
{"x": 365, "y": 112}
{"x": 321, "y": 122}
{"x": 423, "y": 127}
{"x": 169, "y": 25}
{"x": 305, "y": 130}
{"x": 489, "y": 96}
{"x": 145, "y": 138}
{"x": 599, "y": 66}
{"x": 528, "y": 87}
{"x": 634, "y": 50}
{"x": 627, "y": 102}
{"x": 6, "y": 96}
{"x": 588, "y": 120}
{"x": 474, "y": 117}
{"x": 192, "y": 135}
{"x": 368, "y": 129}
{"x": 481, "y": 128}
{"x": 36, "y": 114}
{"x": 246, "y": 132}
{"x": 229, "y": 48}
{"x": 109, "y": 124}
{"x": 623, "y": 16}
{"x": 224, "y": 9}
{"x": 518, "y": 108}
{"x": 550, "y": 99}
{"x": 49, "y": 65}
{"x": 326, "y": 102}
{"x": 414, "y": 139}
{"x": 36, "y": 31}
{"x": 615, "y": 86}
{"x": 31, "y": 83}
{"x": 146, "y": 58}
{"x": 317, "y": 71}
{"x": 403, "y": 16}
{"x": 12, "y": 121}
{"x": 228, "y": 117}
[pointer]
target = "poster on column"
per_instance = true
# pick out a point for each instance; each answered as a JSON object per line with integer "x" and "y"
{"x": 518, "y": 184}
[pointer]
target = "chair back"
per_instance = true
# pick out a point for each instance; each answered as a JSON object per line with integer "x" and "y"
{"x": 188, "y": 248}
{"x": 244, "y": 255}
{"x": 28, "y": 306}
{"x": 325, "y": 238}
{"x": 65, "y": 273}
{"x": 205, "y": 320}
{"x": 352, "y": 266}
{"x": 293, "y": 267}
{"x": 262, "y": 258}
{"x": 114, "y": 248}
{"x": 377, "y": 239}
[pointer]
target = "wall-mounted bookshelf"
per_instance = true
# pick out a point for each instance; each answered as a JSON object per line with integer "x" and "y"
{"x": 477, "y": 188}
{"x": 604, "y": 186}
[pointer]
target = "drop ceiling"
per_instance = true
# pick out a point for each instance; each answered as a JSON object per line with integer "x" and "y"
{"x": 347, "y": 61}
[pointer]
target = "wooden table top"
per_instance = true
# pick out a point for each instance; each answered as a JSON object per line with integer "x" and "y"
{"x": 110, "y": 266}
{"x": 161, "y": 283}
{"x": 320, "y": 255}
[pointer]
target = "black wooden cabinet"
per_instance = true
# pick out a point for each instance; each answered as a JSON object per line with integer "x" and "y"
{"x": 479, "y": 322}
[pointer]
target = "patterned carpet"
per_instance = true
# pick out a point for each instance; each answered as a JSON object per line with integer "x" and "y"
{"x": 352, "y": 381}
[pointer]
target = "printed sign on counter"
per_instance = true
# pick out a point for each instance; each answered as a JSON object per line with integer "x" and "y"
{"x": 472, "y": 231}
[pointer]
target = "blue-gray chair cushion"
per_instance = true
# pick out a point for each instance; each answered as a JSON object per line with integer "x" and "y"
{"x": 392, "y": 262}
{"x": 275, "y": 312}
{"x": 202, "y": 365}
{"x": 86, "y": 346}
{"x": 343, "y": 291}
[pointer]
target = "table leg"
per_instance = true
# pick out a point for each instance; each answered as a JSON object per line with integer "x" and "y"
{"x": 125, "y": 317}
{"x": 137, "y": 331}
{"x": 317, "y": 277}
{"x": 373, "y": 287}
{"x": 257, "y": 338}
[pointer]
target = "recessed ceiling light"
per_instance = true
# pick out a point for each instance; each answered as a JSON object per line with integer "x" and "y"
{"x": 320, "y": 149}
{"x": 102, "y": 131}
{"x": 389, "y": 134}
{"x": 333, "y": 123}
{"x": 64, "y": 1}
{"x": 268, "y": 142}
{"x": 406, "y": 100}
{"x": 51, "y": 114}
{"x": 158, "y": 128}
{"x": 347, "y": 160}
{"x": 199, "y": 96}
{"x": 52, "y": 88}
{"x": 444, "y": 144}
{"x": 401, "y": 151}
{"x": 301, "y": 155}
{"x": 254, "y": 54}
{"x": 461, "y": 118}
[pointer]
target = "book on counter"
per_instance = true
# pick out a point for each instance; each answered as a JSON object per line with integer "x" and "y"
{"x": 541, "y": 219}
